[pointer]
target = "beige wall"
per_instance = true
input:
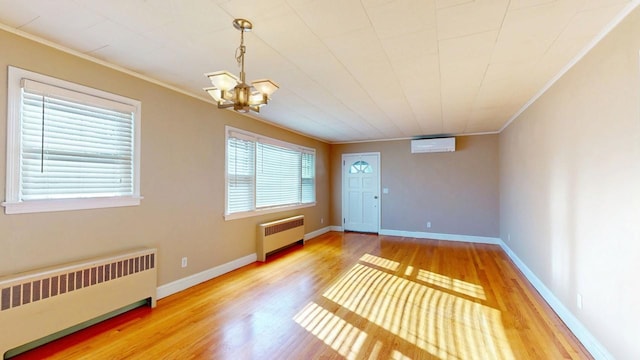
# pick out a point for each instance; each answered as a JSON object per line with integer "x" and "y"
{"x": 570, "y": 189}
{"x": 457, "y": 192}
{"x": 182, "y": 179}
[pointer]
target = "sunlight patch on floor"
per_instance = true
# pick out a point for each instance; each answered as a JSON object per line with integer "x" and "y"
{"x": 341, "y": 336}
{"x": 397, "y": 355}
{"x": 435, "y": 320}
{"x": 456, "y": 285}
{"x": 381, "y": 262}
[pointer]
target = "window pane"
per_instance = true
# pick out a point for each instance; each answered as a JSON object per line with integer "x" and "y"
{"x": 240, "y": 174}
{"x": 360, "y": 167}
{"x": 277, "y": 176}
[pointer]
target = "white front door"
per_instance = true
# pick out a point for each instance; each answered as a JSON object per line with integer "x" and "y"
{"x": 361, "y": 192}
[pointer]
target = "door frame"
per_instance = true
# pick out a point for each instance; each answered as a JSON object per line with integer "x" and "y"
{"x": 342, "y": 186}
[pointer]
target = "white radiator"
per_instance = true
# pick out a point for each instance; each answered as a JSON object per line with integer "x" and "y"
{"x": 40, "y": 303}
{"x": 278, "y": 234}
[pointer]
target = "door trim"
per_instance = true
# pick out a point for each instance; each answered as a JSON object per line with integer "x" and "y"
{"x": 342, "y": 187}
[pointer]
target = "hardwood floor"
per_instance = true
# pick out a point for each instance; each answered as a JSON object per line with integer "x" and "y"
{"x": 343, "y": 295}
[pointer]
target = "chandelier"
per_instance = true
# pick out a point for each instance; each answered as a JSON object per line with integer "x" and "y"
{"x": 229, "y": 91}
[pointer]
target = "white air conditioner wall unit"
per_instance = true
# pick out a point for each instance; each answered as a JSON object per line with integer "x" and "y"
{"x": 433, "y": 145}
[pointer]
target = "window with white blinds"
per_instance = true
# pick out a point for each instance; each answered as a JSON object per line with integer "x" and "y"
{"x": 264, "y": 173}
{"x": 72, "y": 145}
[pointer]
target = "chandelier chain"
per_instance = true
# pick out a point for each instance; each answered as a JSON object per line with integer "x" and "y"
{"x": 239, "y": 54}
{"x": 240, "y": 51}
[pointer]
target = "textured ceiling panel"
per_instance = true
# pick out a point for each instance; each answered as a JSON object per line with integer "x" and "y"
{"x": 471, "y": 18}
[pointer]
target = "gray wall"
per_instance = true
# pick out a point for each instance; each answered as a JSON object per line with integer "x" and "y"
{"x": 570, "y": 189}
{"x": 457, "y": 191}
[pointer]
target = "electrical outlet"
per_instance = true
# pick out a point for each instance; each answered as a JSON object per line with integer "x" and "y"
{"x": 428, "y": 224}
{"x": 184, "y": 262}
{"x": 579, "y": 301}
{"x": 321, "y": 220}
{"x": 508, "y": 237}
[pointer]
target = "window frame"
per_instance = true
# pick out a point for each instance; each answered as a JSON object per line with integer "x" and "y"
{"x": 257, "y": 138}
{"x": 13, "y": 204}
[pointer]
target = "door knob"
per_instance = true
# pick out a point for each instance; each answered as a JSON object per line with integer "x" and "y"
{"x": 375, "y": 197}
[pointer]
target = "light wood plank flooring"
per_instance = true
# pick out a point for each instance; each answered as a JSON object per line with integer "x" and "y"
{"x": 343, "y": 296}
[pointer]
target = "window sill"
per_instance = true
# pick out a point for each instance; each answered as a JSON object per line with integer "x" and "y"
{"x": 35, "y": 206}
{"x": 272, "y": 210}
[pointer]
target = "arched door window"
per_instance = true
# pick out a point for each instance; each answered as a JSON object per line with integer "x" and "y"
{"x": 360, "y": 167}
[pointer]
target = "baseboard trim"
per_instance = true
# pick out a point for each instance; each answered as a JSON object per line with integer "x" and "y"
{"x": 597, "y": 350}
{"x": 317, "y": 233}
{"x": 438, "y": 236}
{"x": 195, "y": 279}
{"x": 337, "y": 228}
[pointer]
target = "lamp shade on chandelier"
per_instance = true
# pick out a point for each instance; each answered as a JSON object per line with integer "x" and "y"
{"x": 230, "y": 91}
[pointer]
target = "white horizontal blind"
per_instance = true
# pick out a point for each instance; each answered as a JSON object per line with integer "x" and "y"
{"x": 277, "y": 176}
{"x": 72, "y": 148}
{"x": 240, "y": 174}
{"x": 308, "y": 177}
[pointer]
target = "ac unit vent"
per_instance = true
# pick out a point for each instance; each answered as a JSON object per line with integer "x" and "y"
{"x": 433, "y": 145}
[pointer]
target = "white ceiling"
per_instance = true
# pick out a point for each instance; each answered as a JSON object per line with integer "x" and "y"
{"x": 348, "y": 70}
